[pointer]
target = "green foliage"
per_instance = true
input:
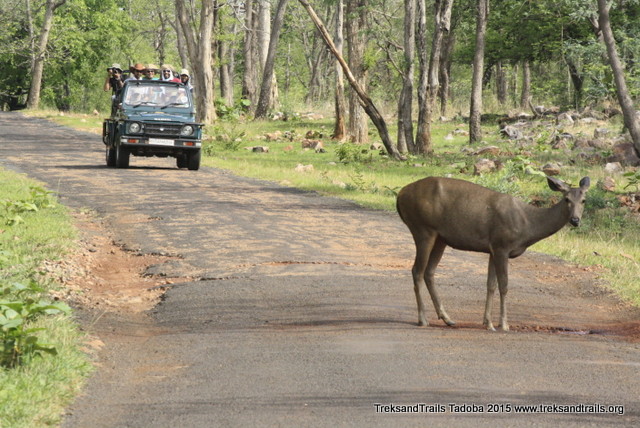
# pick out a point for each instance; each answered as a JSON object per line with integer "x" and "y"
{"x": 348, "y": 152}
{"x": 20, "y": 305}
{"x": 38, "y": 198}
{"x": 234, "y": 112}
{"x": 633, "y": 179}
{"x": 226, "y": 135}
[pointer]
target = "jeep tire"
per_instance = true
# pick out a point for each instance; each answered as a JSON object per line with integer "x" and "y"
{"x": 122, "y": 156}
{"x": 111, "y": 156}
{"x": 193, "y": 160}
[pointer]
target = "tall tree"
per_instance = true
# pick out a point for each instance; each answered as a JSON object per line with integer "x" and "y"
{"x": 250, "y": 73}
{"x": 356, "y": 24}
{"x": 628, "y": 111}
{"x": 39, "y": 56}
{"x": 266, "y": 90}
{"x": 200, "y": 55}
{"x": 525, "y": 93}
{"x": 475, "y": 130}
{"x": 423, "y": 79}
{"x": 339, "y": 128}
{"x": 445, "y": 70}
{"x": 441, "y": 28}
{"x": 405, "y": 102}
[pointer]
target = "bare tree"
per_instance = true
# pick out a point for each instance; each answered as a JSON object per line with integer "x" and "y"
{"x": 442, "y": 25}
{"x": 266, "y": 90}
{"x": 405, "y": 103}
{"x": 339, "y": 129}
{"x": 356, "y": 22}
{"x": 250, "y": 75}
{"x": 445, "y": 71}
{"x": 501, "y": 83}
{"x": 628, "y": 110}
{"x": 423, "y": 66}
{"x": 525, "y": 93}
{"x": 364, "y": 99}
{"x": 475, "y": 131}
{"x": 38, "y": 58}
{"x": 199, "y": 50}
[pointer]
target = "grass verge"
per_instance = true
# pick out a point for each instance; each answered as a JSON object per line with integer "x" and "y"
{"x": 34, "y": 228}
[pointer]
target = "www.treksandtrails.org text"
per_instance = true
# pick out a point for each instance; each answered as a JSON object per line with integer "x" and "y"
{"x": 501, "y": 408}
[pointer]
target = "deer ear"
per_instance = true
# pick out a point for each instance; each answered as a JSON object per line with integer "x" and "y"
{"x": 585, "y": 183}
{"x": 557, "y": 185}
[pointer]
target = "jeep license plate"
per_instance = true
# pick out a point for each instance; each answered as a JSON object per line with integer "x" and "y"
{"x": 161, "y": 142}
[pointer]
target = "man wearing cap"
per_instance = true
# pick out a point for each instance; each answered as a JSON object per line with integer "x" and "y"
{"x": 136, "y": 71}
{"x": 185, "y": 78}
{"x": 114, "y": 81}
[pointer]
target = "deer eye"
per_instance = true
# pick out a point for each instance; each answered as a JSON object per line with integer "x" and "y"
{"x": 567, "y": 200}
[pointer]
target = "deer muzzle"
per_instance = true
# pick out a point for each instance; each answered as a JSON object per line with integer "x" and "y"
{"x": 574, "y": 221}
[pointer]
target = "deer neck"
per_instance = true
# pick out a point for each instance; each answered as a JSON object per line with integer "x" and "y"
{"x": 545, "y": 222}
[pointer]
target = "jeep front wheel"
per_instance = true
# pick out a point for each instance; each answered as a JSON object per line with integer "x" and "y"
{"x": 193, "y": 160}
{"x": 122, "y": 157}
{"x": 111, "y": 156}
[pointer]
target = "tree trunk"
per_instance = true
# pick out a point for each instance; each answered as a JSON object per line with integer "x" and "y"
{"x": 578, "y": 83}
{"x": 182, "y": 45}
{"x": 250, "y": 75}
{"x": 441, "y": 28}
{"x": 405, "y": 103}
{"x": 445, "y": 71}
{"x": 526, "y": 84}
{"x": 264, "y": 37}
{"x": 628, "y": 110}
{"x": 266, "y": 90}
{"x": 199, "y": 50}
{"x": 224, "y": 58}
{"x": 365, "y": 101}
{"x": 339, "y": 128}
{"x": 38, "y": 59}
{"x": 475, "y": 130}
{"x": 423, "y": 70}
{"x": 501, "y": 84}
{"x": 356, "y": 24}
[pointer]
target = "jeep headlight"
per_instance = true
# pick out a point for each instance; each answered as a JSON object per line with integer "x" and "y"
{"x": 134, "y": 127}
{"x": 186, "y": 131}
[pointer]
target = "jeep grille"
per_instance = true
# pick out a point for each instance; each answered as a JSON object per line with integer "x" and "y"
{"x": 162, "y": 129}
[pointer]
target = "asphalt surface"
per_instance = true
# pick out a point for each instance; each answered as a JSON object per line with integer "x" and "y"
{"x": 302, "y": 311}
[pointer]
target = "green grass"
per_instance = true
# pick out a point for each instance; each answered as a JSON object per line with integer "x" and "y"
{"x": 36, "y": 393}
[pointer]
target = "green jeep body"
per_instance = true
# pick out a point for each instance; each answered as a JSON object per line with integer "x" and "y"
{"x": 153, "y": 118}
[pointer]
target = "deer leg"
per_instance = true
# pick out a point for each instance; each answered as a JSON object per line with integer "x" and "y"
{"x": 491, "y": 288}
{"x": 436, "y": 255}
{"x": 423, "y": 251}
{"x": 501, "y": 265}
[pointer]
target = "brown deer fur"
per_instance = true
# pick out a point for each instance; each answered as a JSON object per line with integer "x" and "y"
{"x": 444, "y": 211}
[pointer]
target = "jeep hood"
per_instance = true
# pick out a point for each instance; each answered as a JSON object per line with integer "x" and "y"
{"x": 161, "y": 116}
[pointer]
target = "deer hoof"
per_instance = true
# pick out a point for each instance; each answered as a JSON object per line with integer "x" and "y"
{"x": 422, "y": 323}
{"x": 489, "y": 326}
{"x": 448, "y": 322}
{"x": 504, "y": 327}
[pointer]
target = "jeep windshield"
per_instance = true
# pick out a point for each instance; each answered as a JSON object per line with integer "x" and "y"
{"x": 159, "y": 96}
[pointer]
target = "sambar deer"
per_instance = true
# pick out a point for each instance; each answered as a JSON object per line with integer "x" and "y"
{"x": 445, "y": 211}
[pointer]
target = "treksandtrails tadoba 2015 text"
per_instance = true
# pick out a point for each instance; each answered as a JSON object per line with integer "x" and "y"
{"x": 596, "y": 408}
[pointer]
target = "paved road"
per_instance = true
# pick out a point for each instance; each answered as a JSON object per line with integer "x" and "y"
{"x": 302, "y": 311}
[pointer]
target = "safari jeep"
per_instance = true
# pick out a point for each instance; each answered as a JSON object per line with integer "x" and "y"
{"x": 153, "y": 118}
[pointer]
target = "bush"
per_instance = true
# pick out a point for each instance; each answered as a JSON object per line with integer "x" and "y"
{"x": 19, "y": 306}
